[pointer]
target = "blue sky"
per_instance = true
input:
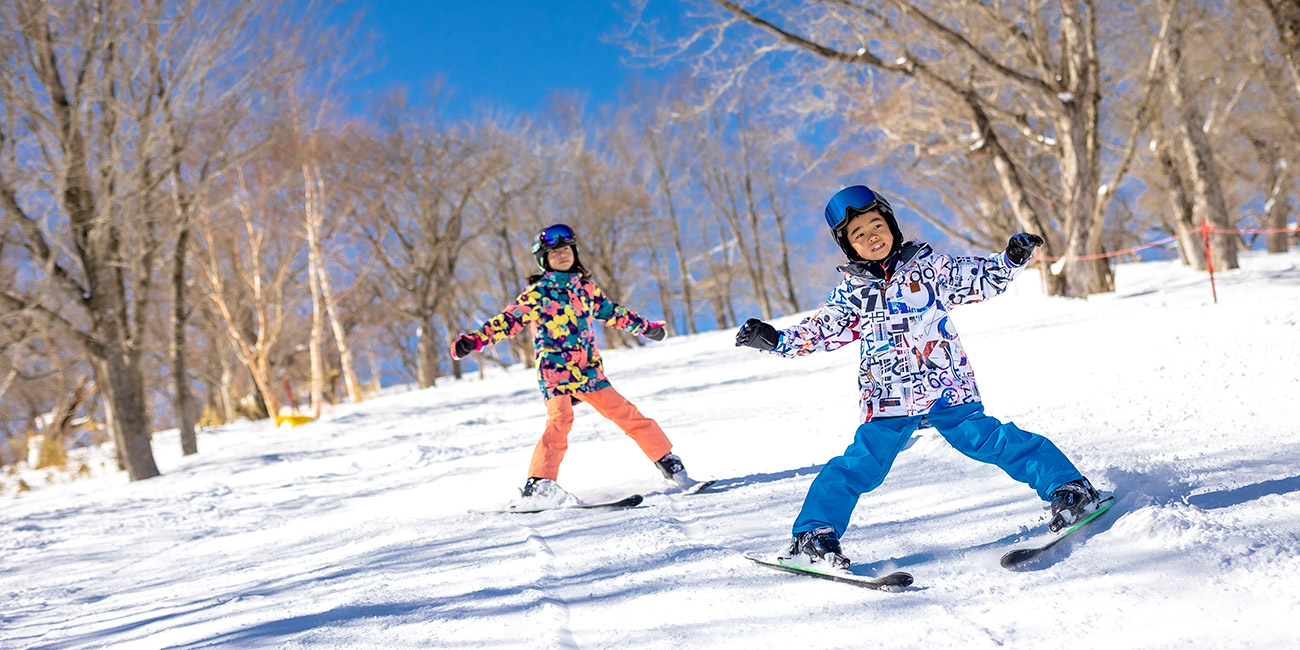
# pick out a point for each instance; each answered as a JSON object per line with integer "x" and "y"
{"x": 514, "y": 54}
{"x": 507, "y": 53}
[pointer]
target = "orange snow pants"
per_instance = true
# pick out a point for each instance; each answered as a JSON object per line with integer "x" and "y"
{"x": 607, "y": 402}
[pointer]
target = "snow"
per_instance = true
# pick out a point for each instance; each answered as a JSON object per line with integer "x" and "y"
{"x": 354, "y": 532}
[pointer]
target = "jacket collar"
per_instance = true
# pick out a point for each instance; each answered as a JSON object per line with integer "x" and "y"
{"x": 873, "y": 272}
{"x": 559, "y": 279}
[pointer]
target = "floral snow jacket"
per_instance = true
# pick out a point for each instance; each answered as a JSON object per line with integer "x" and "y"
{"x": 912, "y": 361}
{"x": 559, "y": 307}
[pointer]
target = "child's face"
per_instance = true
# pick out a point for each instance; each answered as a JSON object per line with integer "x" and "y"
{"x": 869, "y": 236}
{"x": 560, "y": 259}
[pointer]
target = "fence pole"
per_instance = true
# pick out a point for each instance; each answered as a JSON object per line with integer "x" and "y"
{"x": 1209, "y": 263}
{"x": 288, "y": 392}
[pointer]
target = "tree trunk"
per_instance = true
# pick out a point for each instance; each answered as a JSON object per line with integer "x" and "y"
{"x": 118, "y": 384}
{"x": 54, "y": 449}
{"x": 658, "y": 154}
{"x": 783, "y": 243}
{"x": 1080, "y": 157}
{"x": 1182, "y": 208}
{"x": 684, "y": 276}
{"x": 1204, "y": 171}
{"x": 1275, "y": 205}
{"x": 180, "y": 372}
{"x": 228, "y": 402}
{"x": 756, "y": 272}
{"x": 719, "y": 311}
{"x": 662, "y": 280}
{"x": 376, "y": 383}
{"x": 347, "y": 366}
{"x": 312, "y": 221}
{"x": 266, "y": 388}
{"x": 426, "y": 369}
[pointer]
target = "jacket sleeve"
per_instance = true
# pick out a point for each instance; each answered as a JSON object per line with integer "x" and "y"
{"x": 511, "y": 320}
{"x": 613, "y": 314}
{"x": 835, "y": 324}
{"x": 964, "y": 280}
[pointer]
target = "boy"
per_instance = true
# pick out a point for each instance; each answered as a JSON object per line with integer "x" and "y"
{"x": 895, "y": 298}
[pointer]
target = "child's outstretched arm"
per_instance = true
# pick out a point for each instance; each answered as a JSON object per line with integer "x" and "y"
{"x": 834, "y": 325}
{"x": 616, "y": 315}
{"x": 509, "y": 322}
{"x": 972, "y": 279}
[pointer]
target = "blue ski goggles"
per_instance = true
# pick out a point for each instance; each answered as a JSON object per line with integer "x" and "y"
{"x": 556, "y": 236}
{"x": 858, "y": 197}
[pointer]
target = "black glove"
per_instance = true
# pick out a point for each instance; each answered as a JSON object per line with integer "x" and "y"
{"x": 655, "y": 332}
{"x": 757, "y": 334}
{"x": 464, "y": 345}
{"x": 1021, "y": 247}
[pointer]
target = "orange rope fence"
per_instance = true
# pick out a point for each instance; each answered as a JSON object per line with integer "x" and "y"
{"x": 1205, "y": 231}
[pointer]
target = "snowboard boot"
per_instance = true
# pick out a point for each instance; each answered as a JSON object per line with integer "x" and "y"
{"x": 1071, "y": 503}
{"x": 673, "y": 470}
{"x": 545, "y": 493}
{"x": 816, "y": 546}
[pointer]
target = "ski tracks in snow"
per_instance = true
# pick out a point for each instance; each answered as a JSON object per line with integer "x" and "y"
{"x": 554, "y": 609}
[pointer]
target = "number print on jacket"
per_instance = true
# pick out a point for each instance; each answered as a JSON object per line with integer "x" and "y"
{"x": 912, "y": 360}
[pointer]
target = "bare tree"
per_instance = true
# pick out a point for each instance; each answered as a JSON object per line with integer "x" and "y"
{"x": 248, "y": 263}
{"x": 1038, "y": 88}
{"x": 1275, "y": 128}
{"x": 598, "y": 196}
{"x": 1202, "y": 165}
{"x": 661, "y": 138}
{"x": 206, "y": 129}
{"x": 105, "y": 114}
{"x": 511, "y": 203}
{"x": 423, "y": 220}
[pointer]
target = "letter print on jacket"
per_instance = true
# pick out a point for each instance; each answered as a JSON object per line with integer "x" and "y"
{"x": 912, "y": 359}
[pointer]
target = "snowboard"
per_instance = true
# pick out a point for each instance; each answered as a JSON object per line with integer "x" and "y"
{"x": 893, "y": 582}
{"x": 1021, "y": 557}
{"x": 626, "y": 502}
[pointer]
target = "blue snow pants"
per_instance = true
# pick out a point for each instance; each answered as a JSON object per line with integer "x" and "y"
{"x": 1026, "y": 457}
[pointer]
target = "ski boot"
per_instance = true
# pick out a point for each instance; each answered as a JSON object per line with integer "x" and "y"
{"x": 545, "y": 493}
{"x": 673, "y": 470}
{"x": 818, "y": 545}
{"x": 1071, "y": 503}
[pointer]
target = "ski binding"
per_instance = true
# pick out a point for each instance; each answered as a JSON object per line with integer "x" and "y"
{"x": 1017, "y": 558}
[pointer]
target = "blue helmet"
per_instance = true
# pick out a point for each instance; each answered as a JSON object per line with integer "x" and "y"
{"x": 851, "y": 201}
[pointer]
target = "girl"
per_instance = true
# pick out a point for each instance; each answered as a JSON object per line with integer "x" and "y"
{"x": 559, "y": 304}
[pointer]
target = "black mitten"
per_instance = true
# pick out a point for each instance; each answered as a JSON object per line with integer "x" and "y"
{"x": 464, "y": 345}
{"x": 655, "y": 332}
{"x": 1021, "y": 247}
{"x": 757, "y": 334}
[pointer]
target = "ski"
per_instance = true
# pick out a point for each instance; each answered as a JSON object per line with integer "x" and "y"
{"x": 626, "y": 502}
{"x": 893, "y": 582}
{"x": 699, "y": 486}
{"x": 1017, "y": 558}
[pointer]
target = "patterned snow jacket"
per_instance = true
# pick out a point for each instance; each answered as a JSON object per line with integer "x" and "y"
{"x": 912, "y": 361}
{"x": 560, "y": 307}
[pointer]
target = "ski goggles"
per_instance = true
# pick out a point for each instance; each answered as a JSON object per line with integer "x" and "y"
{"x": 858, "y": 197}
{"x": 556, "y": 236}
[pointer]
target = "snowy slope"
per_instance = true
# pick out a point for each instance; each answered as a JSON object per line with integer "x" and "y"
{"x": 353, "y": 531}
